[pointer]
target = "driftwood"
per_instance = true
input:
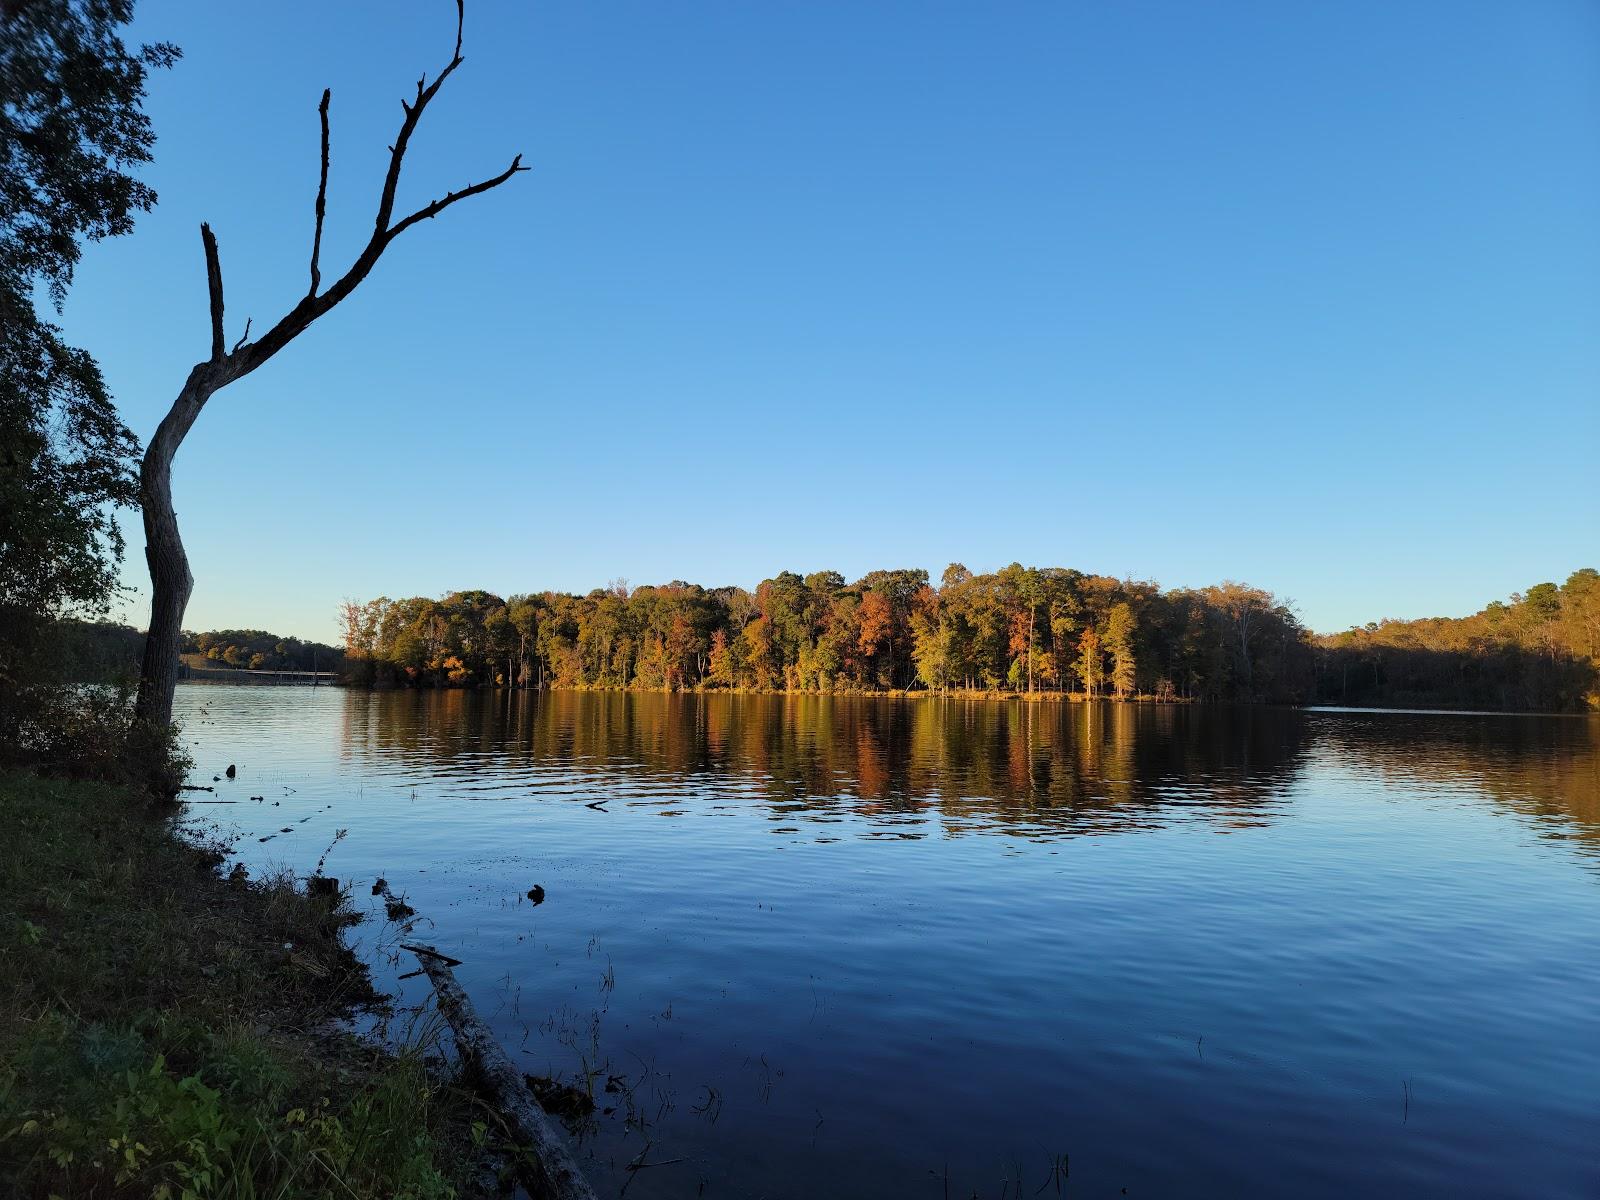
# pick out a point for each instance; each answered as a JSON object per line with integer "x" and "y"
{"x": 430, "y": 952}
{"x": 548, "y": 1170}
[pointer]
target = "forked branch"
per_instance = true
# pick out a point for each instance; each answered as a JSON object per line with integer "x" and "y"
{"x": 170, "y": 579}
{"x": 397, "y": 152}
{"x": 247, "y": 356}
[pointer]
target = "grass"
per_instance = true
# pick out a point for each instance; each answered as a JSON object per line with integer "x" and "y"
{"x": 167, "y": 1032}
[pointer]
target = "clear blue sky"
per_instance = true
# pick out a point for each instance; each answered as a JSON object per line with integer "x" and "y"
{"x": 1301, "y": 294}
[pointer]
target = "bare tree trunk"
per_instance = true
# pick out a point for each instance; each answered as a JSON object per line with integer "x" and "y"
{"x": 170, "y": 580}
{"x": 172, "y": 585}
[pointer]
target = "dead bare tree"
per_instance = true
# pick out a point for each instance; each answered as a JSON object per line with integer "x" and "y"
{"x": 171, "y": 582}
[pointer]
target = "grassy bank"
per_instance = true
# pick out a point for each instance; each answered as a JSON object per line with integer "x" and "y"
{"x": 169, "y": 1032}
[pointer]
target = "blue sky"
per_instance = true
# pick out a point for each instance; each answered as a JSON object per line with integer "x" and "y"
{"x": 1306, "y": 295}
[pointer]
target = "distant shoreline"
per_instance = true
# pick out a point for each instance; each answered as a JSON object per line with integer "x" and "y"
{"x": 1035, "y": 697}
{"x": 263, "y": 678}
{"x": 189, "y": 674}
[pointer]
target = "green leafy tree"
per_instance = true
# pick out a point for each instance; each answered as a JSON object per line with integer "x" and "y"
{"x": 71, "y": 131}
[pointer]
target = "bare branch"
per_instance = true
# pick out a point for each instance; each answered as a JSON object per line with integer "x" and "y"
{"x": 214, "y": 288}
{"x": 425, "y": 92}
{"x": 243, "y": 337}
{"x": 314, "y": 304}
{"x": 171, "y": 582}
{"x": 449, "y": 198}
{"x": 322, "y": 196}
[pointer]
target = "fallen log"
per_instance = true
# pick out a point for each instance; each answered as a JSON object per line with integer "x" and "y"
{"x": 547, "y": 1169}
{"x": 430, "y": 952}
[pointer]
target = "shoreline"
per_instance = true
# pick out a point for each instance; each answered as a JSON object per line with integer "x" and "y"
{"x": 973, "y": 695}
{"x": 967, "y": 695}
{"x": 226, "y": 1050}
{"x": 1036, "y": 697}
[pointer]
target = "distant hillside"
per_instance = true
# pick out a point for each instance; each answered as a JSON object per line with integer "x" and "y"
{"x": 1540, "y": 650}
{"x": 258, "y": 650}
{"x": 101, "y": 651}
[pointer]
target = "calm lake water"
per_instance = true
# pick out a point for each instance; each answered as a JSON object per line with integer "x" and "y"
{"x": 881, "y": 948}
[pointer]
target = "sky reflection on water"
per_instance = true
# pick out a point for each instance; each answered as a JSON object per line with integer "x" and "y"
{"x": 840, "y": 947}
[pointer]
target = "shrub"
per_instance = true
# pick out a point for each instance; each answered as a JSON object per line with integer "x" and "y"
{"x": 87, "y": 731}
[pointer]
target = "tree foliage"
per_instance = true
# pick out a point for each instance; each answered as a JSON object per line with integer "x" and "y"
{"x": 1537, "y": 651}
{"x": 71, "y": 130}
{"x": 65, "y": 461}
{"x": 258, "y": 650}
{"x": 1018, "y": 629}
{"x": 71, "y": 124}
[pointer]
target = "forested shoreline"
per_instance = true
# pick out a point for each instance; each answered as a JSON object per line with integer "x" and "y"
{"x": 1044, "y": 632}
{"x": 1021, "y": 630}
{"x": 1536, "y": 651}
{"x": 259, "y": 650}
{"x": 99, "y": 651}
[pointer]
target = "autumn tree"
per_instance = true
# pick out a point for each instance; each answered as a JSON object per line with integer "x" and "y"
{"x": 1091, "y": 662}
{"x": 757, "y": 638}
{"x": 931, "y": 636}
{"x": 721, "y": 661}
{"x": 875, "y": 628}
{"x": 1119, "y": 642}
{"x": 1580, "y": 611}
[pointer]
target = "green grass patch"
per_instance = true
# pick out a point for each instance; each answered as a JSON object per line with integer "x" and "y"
{"x": 167, "y": 1032}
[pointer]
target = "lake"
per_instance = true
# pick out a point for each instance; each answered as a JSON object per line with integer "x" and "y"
{"x": 899, "y": 948}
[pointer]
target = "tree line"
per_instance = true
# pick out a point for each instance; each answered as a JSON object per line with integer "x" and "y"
{"x": 1017, "y": 630}
{"x": 1539, "y": 650}
{"x": 109, "y": 651}
{"x": 258, "y": 650}
{"x": 1021, "y": 629}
